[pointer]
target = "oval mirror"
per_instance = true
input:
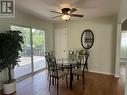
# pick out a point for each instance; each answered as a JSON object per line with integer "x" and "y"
{"x": 87, "y": 39}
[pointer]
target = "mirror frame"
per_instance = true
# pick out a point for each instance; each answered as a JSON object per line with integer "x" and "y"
{"x": 83, "y": 34}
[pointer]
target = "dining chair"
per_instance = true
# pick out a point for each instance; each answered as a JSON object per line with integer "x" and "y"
{"x": 49, "y": 62}
{"x": 80, "y": 70}
{"x": 49, "y": 57}
{"x": 57, "y": 74}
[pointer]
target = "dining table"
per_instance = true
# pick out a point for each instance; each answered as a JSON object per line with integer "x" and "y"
{"x": 69, "y": 64}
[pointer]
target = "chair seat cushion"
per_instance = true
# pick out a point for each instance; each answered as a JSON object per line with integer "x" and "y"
{"x": 60, "y": 74}
{"x": 77, "y": 71}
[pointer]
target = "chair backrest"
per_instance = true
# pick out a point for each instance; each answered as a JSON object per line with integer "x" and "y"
{"x": 82, "y": 60}
{"x": 49, "y": 54}
{"x": 49, "y": 62}
{"x": 54, "y": 67}
{"x": 72, "y": 54}
{"x": 86, "y": 60}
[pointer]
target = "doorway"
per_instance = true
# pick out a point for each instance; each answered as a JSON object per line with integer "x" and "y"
{"x": 61, "y": 43}
{"x": 121, "y": 50}
{"x": 123, "y": 54}
{"x": 32, "y": 58}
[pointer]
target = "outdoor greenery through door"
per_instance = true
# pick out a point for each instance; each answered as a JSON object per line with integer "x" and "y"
{"x": 32, "y": 58}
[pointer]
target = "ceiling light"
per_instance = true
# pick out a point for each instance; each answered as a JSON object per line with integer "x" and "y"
{"x": 66, "y": 17}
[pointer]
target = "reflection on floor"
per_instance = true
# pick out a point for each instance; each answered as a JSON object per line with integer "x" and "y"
{"x": 96, "y": 84}
{"x": 123, "y": 71}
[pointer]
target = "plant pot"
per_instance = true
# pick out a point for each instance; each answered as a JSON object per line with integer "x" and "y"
{"x": 9, "y": 87}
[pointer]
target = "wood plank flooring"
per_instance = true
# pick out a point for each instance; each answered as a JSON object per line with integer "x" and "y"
{"x": 96, "y": 84}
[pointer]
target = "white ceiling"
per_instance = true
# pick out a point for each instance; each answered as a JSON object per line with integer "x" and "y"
{"x": 89, "y": 8}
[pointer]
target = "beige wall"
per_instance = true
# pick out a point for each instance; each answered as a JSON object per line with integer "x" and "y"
{"x": 29, "y": 21}
{"x": 102, "y": 54}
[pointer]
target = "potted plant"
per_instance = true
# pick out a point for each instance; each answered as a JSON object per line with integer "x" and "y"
{"x": 10, "y": 48}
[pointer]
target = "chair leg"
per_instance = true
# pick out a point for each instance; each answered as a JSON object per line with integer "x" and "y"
{"x": 66, "y": 81}
{"x": 77, "y": 77}
{"x": 68, "y": 70}
{"x": 83, "y": 81}
{"x": 72, "y": 77}
{"x": 57, "y": 85}
{"x": 49, "y": 83}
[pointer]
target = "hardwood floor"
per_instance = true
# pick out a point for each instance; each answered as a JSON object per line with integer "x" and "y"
{"x": 96, "y": 84}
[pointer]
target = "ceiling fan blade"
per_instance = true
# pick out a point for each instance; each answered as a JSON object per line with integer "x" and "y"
{"x": 77, "y": 15}
{"x": 57, "y": 16}
{"x": 73, "y": 10}
{"x": 56, "y": 12}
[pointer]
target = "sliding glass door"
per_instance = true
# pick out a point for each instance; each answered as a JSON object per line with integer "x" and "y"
{"x": 25, "y": 64}
{"x": 38, "y": 37}
{"x": 123, "y": 45}
{"x": 32, "y": 58}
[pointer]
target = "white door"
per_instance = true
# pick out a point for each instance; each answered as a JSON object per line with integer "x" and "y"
{"x": 61, "y": 43}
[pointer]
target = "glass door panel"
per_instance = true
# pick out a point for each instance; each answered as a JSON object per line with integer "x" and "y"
{"x": 123, "y": 45}
{"x": 24, "y": 67}
{"x": 38, "y": 37}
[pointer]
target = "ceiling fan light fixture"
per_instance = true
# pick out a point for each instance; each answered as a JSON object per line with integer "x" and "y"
{"x": 66, "y": 17}
{"x": 66, "y": 13}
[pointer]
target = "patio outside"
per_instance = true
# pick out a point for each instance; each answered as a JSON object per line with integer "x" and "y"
{"x": 25, "y": 65}
{"x": 34, "y": 46}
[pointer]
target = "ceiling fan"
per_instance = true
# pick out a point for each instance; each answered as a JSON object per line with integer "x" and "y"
{"x": 66, "y": 13}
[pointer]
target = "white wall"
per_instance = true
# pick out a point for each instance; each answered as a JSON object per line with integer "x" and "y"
{"x": 102, "y": 55}
{"x": 29, "y": 21}
{"x": 123, "y": 12}
{"x": 3, "y": 77}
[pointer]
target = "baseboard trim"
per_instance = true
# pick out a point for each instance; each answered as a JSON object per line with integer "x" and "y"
{"x": 98, "y": 72}
{"x": 117, "y": 76}
{"x": 11, "y": 93}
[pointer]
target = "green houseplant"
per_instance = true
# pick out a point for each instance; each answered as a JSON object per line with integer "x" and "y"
{"x": 10, "y": 48}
